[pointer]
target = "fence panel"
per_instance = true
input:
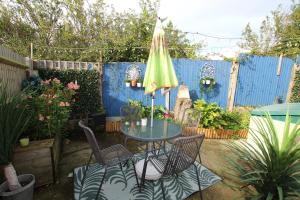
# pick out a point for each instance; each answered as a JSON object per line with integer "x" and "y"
{"x": 115, "y": 94}
{"x": 258, "y": 83}
{"x": 12, "y": 69}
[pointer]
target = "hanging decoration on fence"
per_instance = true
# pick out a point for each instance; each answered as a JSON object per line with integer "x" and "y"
{"x": 133, "y": 76}
{"x": 207, "y": 78}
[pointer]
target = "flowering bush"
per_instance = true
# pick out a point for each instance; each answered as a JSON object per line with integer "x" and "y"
{"x": 51, "y": 106}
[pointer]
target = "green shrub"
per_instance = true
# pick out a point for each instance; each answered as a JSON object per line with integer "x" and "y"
{"x": 296, "y": 88}
{"x": 269, "y": 165}
{"x": 213, "y": 116}
{"x": 87, "y": 97}
{"x": 50, "y": 102}
{"x": 159, "y": 111}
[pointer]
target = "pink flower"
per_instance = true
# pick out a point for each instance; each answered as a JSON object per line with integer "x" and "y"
{"x": 54, "y": 96}
{"x": 73, "y": 86}
{"x": 41, "y": 117}
{"x": 47, "y": 117}
{"x": 62, "y": 104}
{"x": 67, "y": 104}
{"x": 46, "y": 82}
{"x": 57, "y": 81}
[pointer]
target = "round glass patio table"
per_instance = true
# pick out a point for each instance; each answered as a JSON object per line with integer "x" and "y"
{"x": 161, "y": 130}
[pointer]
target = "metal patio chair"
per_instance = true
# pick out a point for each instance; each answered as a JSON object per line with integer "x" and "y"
{"x": 190, "y": 122}
{"x": 107, "y": 157}
{"x": 181, "y": 156}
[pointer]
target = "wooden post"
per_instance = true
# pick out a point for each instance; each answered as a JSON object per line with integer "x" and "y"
{"x": 291, "y": 85}
{"x": 232, "y": 85}
{"x": 279, "y": 64}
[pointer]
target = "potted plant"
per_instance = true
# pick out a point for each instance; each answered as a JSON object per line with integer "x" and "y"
{"x": 24, "y": 142}
{"x": 14, "y": 120}
{"x": 268, "y": 165}
{"x": 127, "y": 83}
{"x": 133, "y": 82}
{"x": 139, "y": 82}
{"x": 145, "y": 114}
{"x": 207, "y": 84}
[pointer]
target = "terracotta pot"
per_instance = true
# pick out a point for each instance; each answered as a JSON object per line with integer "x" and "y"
{"x": 133, "y": 83}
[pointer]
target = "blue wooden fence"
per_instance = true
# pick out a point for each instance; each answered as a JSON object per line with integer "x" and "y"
{"x": 258, "y": 83}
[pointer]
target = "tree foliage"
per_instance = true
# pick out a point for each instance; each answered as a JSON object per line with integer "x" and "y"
{"x": 278, "y": 33}
{"x": 86, "y": 26}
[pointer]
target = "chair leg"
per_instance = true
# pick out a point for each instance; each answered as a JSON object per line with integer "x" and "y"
{"x": 101, "y": 183}
{"x": 162, "y": 188}
{"x": 198, "y": 179}
{"x": 200, "y": 158}
{"x": 86, "y": 169}
{"x": 136, "y": 178}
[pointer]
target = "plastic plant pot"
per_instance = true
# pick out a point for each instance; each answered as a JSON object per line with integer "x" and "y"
{"x": 207, "y": 82}
{"x": 127, "y": 84}
{"x": 24, "y": 193}
{"x": 139, "y": 84}
{"x": 144, "y": 122}
{"x": 133, "y": 83}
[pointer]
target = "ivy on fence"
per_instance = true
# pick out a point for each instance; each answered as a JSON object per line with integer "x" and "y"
{"x": 296, "y": 88}
{"x": 88, "y": 96}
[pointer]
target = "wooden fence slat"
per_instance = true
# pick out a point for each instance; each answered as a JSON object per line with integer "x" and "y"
{"x": 234, "y": 71}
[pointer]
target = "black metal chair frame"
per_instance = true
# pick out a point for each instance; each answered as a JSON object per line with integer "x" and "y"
{"x": 120, "y": 155}
{"x": 181, "y": 156}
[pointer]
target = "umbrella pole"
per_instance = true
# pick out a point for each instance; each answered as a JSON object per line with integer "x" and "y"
{"x": 152, "y": 109}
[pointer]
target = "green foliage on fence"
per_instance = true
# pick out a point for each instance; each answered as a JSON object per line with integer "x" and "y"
{"x": 296, "y": 89}
{"x": 88, "y": 98}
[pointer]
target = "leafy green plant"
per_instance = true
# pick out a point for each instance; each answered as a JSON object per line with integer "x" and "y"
{"x": 159, "y": 111}
{"x": 269, "y": 165}
{"x": 14, "y": 120}
{"x": 296, "y": 88}
{"x": 213, "y": 116}
{"x": 88, "y": 99}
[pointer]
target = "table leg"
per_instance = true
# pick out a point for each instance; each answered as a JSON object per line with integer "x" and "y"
{"x": 144, "y": 167}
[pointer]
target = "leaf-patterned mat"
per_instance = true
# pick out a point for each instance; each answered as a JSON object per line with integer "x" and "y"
{"x": 115, "y": 187}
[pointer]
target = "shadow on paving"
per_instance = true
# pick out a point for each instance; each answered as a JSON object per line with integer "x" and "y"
{"x": 76, "y": 152}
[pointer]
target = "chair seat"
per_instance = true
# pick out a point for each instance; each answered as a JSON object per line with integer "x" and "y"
{"x": 151, "y": 172}
{"x": 115, "y": 154}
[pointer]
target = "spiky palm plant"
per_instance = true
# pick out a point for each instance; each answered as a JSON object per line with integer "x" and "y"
{"x": 270, "y": 165}
{"x": 14, "y": 119}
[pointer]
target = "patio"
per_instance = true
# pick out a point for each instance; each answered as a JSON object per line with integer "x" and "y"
{"x": 75, "y": 154}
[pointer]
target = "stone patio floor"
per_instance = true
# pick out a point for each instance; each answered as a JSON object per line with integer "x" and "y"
{"x": 76, "y": 152}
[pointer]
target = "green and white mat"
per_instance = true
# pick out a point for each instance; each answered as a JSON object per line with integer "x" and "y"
{"x": 116, "y": 187}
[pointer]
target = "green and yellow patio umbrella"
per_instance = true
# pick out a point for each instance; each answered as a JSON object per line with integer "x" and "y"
{"x": 160, "y": 72}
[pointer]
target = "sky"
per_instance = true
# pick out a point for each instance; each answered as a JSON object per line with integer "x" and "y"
{"x": 225, "y": 18}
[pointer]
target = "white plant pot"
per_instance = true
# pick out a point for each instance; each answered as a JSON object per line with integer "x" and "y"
{"x": 203, "y": 82}
{"x": 139, "y": 84}
{"x": 127, "y": 84}
{"x": 138, "y": 123}
{"x": 207, "y": 82}
{"x": 127, "y": 123}
{"x": 144, "y": 122}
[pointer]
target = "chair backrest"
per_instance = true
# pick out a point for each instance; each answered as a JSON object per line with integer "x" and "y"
{"x": 183, "y": 154}
{"x": 191, "y": 118}
{"x": 131, "y": 113}
{"x": 92, "y": 142}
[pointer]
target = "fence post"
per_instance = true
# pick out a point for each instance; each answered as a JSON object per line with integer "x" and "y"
{"x": 234, "y": 71}
{"x": 291, "y": 85}
{"x": 101, "y": 75}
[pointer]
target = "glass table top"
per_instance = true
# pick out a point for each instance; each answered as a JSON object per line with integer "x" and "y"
{"x": 161, "y": 130}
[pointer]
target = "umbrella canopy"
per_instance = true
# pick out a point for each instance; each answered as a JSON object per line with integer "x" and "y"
{"x": 160, "y": 72}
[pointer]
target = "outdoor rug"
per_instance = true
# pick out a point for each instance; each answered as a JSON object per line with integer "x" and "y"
{"x": 115, "y": 187}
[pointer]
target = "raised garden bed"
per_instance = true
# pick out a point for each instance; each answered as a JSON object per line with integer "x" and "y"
{"x": 41, "y": 159}
{"x": 114, "y": 126}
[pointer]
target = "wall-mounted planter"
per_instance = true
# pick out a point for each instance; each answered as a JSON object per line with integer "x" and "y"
{"x": 127, "y": 84}
{"x": 133, "y": 83}
{"x": 139, "y": 84}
